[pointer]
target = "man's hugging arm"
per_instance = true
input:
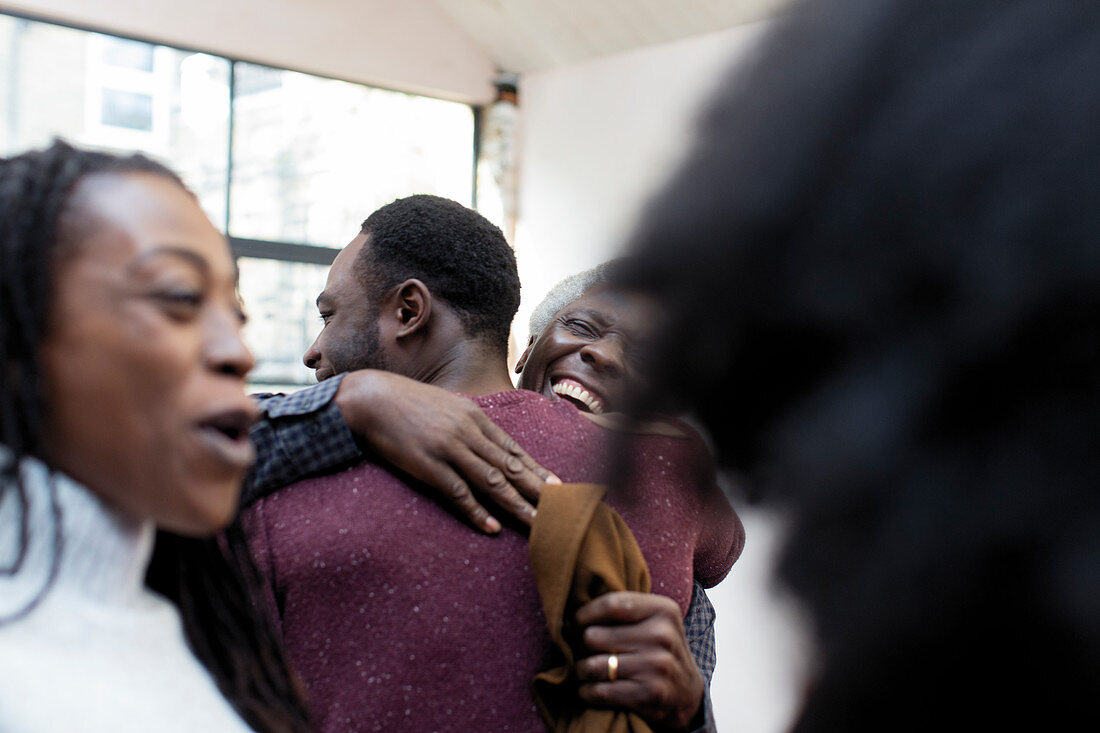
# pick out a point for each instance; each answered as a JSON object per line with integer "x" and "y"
{"x": 432, "y": 435}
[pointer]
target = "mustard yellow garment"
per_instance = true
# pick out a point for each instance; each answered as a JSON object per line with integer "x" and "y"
{"x": 580, "y": 548}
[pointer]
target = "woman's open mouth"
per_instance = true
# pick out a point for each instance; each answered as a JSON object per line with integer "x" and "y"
{"x": 578, "y": 394}
{"x": 225, "y": 434}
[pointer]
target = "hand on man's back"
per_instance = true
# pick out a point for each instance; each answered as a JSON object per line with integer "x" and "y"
{"x": 444, "y": 441}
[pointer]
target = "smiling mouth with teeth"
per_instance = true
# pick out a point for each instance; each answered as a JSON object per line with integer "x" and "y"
{"x": 578, "y": 395}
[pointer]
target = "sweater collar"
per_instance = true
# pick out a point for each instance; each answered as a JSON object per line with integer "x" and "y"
{"x": 101, "y": 554}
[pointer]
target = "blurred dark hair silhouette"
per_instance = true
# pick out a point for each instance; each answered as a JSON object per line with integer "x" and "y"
{"x": 882, "y": 266}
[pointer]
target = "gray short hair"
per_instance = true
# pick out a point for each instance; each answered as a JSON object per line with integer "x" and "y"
{"x": 564, "y": 293}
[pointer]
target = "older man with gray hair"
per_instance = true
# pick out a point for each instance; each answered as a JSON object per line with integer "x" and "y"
{"x": 587, "y": 342}
{"x": 585, "y": 339}
{"x": 564, "y": 293}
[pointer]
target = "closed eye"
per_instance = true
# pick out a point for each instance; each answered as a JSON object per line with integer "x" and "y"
{"x": 580, "y": 328}
{"x": 192, "y": 297}
{"x": 181, "y": 305}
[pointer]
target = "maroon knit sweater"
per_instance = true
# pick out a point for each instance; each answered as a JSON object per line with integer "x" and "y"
{"x": 400, "y": 617}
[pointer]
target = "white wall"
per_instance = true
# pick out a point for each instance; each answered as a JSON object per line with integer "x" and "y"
{"x": 763, "y": 645}
{"x": 597, "y": 138}
{"x": 408, "y": 45}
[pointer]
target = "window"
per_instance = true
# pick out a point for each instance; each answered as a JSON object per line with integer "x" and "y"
{"x": 57, "y": 82}
{"x": 282, "y": 316}
{"x": 130, "y": 89}
{"x": 287, "y": 164}
{"x": 132, "y": 110}
{"x": 312, "y": 157}
{"x": 127, "y": 54}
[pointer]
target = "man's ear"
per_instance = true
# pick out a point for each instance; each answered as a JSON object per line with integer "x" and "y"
{"x": 526, "y": 353}
{"x": 412, "y": 305}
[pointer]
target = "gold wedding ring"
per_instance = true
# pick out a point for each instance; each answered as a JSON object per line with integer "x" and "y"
{"x": 612, "y": 667}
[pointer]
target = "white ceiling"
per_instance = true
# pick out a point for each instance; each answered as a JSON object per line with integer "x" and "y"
{"x": 534, "y": 35}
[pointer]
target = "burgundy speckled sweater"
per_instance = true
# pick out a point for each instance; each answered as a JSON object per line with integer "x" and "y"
{"x": 400, "y": 617}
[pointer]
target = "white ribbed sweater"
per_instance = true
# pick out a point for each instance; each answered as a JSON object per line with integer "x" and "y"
{"x": 100, "y": 652}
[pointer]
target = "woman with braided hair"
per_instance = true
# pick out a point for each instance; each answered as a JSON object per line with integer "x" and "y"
{"x": 123, "y": 426}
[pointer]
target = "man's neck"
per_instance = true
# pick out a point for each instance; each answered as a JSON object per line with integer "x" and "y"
{"x": 470, "y": 369}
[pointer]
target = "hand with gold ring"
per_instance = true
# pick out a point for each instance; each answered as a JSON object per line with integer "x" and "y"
{"x": 640, "y": 659}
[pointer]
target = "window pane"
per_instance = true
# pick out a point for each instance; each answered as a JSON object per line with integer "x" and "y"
{"x": 127, "y": 109}
{"x": 128, "y": 54}
{"x": 279, "y": 298}
{"x": 312, "y": 157}
{"x": 117, "y": 95}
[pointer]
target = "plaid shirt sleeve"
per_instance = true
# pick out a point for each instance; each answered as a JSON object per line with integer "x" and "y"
{"x": 298, "y": 434}
{"x": 699, "y": 632}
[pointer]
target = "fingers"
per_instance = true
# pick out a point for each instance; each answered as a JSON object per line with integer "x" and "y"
{"x": 494, "y": 464}
{"x": 632, "y": 685}
{"x": 655, "y": 674}
{"x": 598, "y": 667}
{"x": 619, "y": 694}
{"x": 652, "y": 633}
{"x": 649, "y": 682}
{"x": 626, "y": 607}
{"x": 502, "y": 451}
{"x": 490, "y": 480}
{"x": 455, "y": 490}
{"x": 446, "y": 441}
{"x": 626, "y": 621}
{"x": 662, "y": 687}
